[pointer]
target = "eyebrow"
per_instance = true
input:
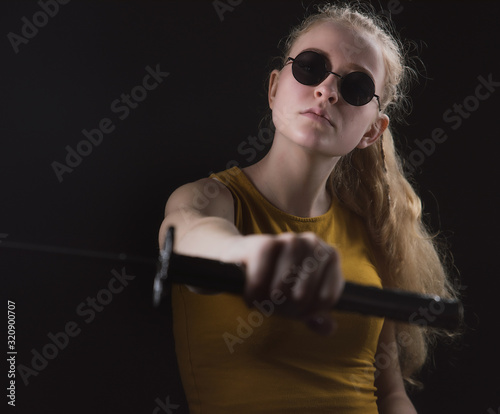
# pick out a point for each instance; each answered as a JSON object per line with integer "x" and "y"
{"x": 351, "y": 65}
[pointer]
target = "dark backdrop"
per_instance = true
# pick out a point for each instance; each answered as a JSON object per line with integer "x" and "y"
{"x": 90, "y": 231}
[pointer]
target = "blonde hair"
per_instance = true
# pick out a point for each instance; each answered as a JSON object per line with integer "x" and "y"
{"x": 371, "y": 182}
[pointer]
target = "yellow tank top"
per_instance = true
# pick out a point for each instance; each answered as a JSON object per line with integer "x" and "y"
{"x": 233, "y": 359}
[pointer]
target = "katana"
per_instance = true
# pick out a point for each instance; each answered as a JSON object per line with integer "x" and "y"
{"x": 397, "y": 305}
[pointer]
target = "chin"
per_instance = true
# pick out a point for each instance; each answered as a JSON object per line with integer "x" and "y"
{"x": 314, "y": 141}
{"x": 312, "y": 135}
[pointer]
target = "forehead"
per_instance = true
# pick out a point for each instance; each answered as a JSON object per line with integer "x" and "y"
{"x": 347, "y": 49}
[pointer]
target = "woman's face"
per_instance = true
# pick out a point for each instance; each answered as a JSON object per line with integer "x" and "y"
{"x": 294, "y": 104}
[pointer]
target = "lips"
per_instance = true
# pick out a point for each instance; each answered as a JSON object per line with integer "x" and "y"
{"x": 317, "y": 114}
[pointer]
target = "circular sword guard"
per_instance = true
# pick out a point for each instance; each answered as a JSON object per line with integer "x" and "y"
{"x": 157, "y": 291}
{"x": 162, "y": 270}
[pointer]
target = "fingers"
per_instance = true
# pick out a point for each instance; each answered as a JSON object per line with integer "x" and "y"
{"x": 260, "y": 267}
{"x": 304, "y": 269}
{"x": 289, "y": 273}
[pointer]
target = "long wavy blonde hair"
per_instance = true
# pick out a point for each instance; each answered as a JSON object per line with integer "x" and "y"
{"x": 371, "y": 182}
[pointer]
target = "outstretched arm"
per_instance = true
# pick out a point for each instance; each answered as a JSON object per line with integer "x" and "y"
{"x": 203, "y": 215}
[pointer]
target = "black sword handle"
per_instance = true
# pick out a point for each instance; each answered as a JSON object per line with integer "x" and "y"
{"x": 403, "y": 306}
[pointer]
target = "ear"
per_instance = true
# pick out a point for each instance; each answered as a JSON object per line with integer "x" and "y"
{"x": 374, "y": 132}
{"x": 273, "y": 86}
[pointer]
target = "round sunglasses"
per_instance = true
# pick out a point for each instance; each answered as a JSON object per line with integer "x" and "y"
{"x": 310, "y": 68}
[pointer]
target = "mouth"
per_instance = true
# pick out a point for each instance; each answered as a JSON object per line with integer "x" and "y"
{"x": 317, "y": 115}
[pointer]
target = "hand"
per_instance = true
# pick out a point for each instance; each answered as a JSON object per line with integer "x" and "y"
{"x": 301, "y": 268}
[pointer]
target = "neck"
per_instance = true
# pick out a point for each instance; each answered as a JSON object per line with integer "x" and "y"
{"x": 293, "y": 178}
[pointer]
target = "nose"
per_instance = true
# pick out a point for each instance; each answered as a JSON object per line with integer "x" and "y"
{"x": 328, "y": 89}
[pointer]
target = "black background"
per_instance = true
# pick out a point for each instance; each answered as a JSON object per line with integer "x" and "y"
{"x": 64, "y": 80}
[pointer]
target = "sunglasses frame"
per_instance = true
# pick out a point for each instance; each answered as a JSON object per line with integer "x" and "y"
{"x": 327, "y": 72}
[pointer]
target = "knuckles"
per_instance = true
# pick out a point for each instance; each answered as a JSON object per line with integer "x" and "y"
{"x": 302, "y": 266}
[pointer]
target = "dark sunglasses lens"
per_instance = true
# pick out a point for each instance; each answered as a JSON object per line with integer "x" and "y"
{"x": 308, "y": 68}
{"x": 357, "y": 88}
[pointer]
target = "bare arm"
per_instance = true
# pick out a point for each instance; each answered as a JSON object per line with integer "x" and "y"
{"x": 391, "y": 393}
{"x": 203, "y": 216}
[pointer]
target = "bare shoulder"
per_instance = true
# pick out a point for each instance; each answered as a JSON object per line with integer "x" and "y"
{"x": 203, "y": 201}
{"x": 207, "y": 197}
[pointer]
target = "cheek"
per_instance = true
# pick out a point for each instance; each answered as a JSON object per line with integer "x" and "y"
{"x": 357, "y": 120}
{"x": 282, "y": 115}
{"x": 286, "y": 103}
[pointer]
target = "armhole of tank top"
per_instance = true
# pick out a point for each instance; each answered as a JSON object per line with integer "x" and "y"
{"x": 232, "y": 195}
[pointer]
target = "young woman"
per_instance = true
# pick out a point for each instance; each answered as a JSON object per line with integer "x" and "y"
{"x": 328, "y": 203}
